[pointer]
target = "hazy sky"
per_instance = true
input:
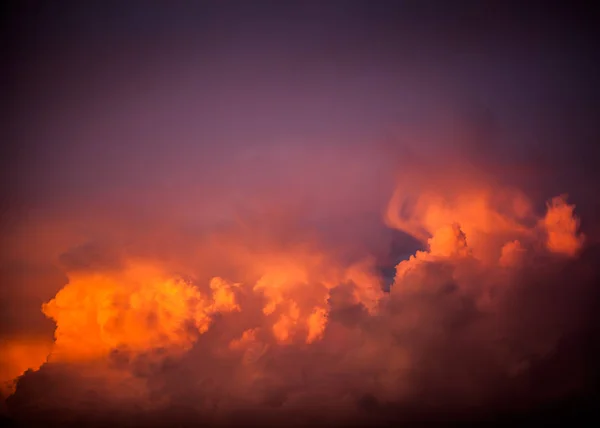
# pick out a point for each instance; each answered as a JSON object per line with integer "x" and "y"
{"x": 98, "y": 90}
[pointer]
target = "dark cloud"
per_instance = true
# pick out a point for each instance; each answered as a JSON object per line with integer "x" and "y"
{"x": 459, "y": 368}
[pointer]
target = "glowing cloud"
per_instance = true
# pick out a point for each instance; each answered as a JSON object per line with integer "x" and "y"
{"x": 562, "y": 227}
{"x": 140, "y": 308}
{"x": 19, "y": 355}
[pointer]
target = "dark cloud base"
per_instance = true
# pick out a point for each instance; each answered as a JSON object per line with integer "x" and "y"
{"x": 578, "y": 410}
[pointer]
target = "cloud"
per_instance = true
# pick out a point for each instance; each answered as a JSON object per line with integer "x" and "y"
{"x": 219, "y": 239}
{"x": 297, "y": 330}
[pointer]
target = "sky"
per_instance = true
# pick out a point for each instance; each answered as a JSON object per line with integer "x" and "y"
{"x": 339, "y": 213}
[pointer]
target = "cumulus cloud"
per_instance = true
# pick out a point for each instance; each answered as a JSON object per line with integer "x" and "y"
{"x": 253, "y": 327}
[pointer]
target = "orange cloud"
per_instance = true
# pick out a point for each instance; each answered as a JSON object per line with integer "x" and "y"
{"x": 304, "y": 321}
{"x": 316, "y": 324}
{"x": 139, "y": 308}
{"x": 511, "y": 254}
{"x": 17, "y": 355}
{"x": 562, "y": 227}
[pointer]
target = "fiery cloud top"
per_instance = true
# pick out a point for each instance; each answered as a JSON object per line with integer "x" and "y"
{"x": 140, "y": 309}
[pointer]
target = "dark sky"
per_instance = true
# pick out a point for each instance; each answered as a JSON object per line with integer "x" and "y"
{"x": 354, "y": 71}
{"x": 143, "y": 127}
